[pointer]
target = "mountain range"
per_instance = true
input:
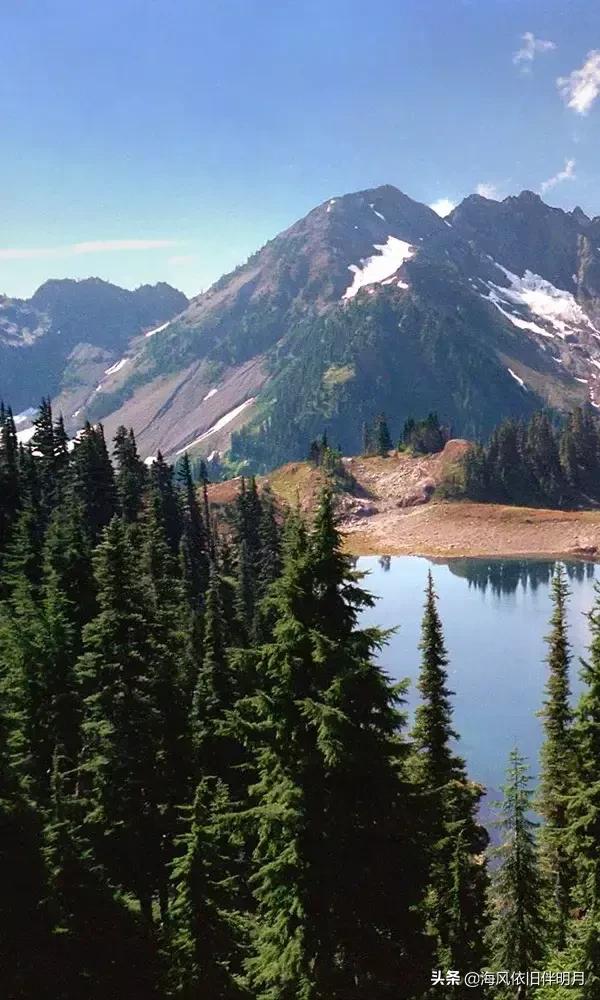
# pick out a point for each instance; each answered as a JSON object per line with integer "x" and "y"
{"x": 60, "y": 342}
{"x": 371, "y": 303}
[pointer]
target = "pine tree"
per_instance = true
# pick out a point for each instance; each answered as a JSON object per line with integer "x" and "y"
{"x": 194, "y": 554}
{"x": 580, "y": 451}
{"x": 130, "y": 475}
{"x": 9, "y": 475}
{"x": 456, "y": 841}
{"x": 544, "y": 461}
{"x": 338, "y": 862}
{"x": 162, "y": 488}
{"x": 93, "y": 481}
{"x": 517, "y": 933}
{"x": 26, "y": 946}
{"x": 121, "y": 728}
{"x": 67, "y": 563}
{"x": 557, "y": 763}
{"x": 169, "y": 674}
{"x": 37, "y": 644}
{"x": 206, "y": 933}
{"x": 247, "y": 517}
{"x": 215, "y": 694}
{"x": 381, "y": 435}
{"x": 204, "y": 480}
{"x": 101, "y": 948}
{"x": 269, "y": 540}
{"x": 42, "y": 444}
{"x": 22, "y": 559}
{"x": 584, "y": 807}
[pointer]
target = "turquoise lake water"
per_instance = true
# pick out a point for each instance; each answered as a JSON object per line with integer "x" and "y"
{"x": 495, "y": 615}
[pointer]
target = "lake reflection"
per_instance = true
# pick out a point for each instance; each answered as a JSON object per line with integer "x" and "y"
{"x": 495, "y": 615}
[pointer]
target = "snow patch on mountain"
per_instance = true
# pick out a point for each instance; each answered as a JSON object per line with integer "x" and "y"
{"x": 209, "y": 395}
{"x": 378, "y": 214}
{"x": 157, "y": 329}
{"x": 373, "y": 270}
{"x": 517, "y": 379}
{"x": 554, "y": 306}
{"x": 221, "y": 422}
{"x": 25, "y": 416}
{"x": 522, "y": 324}
{"x": 24, "y": 436}
{"x": 117, "y": 366}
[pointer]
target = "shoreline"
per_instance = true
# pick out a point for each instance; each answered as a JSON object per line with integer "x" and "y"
{"x": 465, "y": 530}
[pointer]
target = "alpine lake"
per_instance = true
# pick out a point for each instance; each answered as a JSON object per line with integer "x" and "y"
{"x": 495, "y": 614}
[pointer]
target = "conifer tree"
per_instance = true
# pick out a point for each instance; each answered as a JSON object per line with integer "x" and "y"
{"x": 381, "y": 435}
{"x": 544, "y": 460}
{"x": 584, "y": 807}
{"x": 206, "y": 933}
{"x": 456, "y": 841}
{"x": 339, "y": 867}
{"x": 204, "y": 480}
{"x": 42, "y": 444}
{"x": 22, "y": 560}
{"x": 121, "y": 728}
{"x": 37, "y": 642}
{"x": 162, "y": 488}
{"x": 102, "y": 951}
{"x": 557, "y": 764}
{"x": 9, "y": 474}
{"x": 169, "y": 672}
{"x": 517, "y": 933}
{"x": 67, "y": 563}
{"x": 247, "y": 518}
{"x": 130, "y": 475}
{"x": 194, "y": 554}
{"x": 93, "y": 480}
{"x": 26, "y": 946}
{"x": 269, "y": 541}
{"x": 217, "y": 753}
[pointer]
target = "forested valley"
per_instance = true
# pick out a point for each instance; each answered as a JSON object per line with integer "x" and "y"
{"x": 210, "y": 788}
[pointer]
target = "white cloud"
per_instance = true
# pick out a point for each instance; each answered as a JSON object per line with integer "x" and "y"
{"x": 530, "y": 48}
{"x": 443, "y": 206}
{"x": 566, "y": 174}
{"x": 488, "y": 191}
{"x": 580, "y": 89}
{"x": 77, "y": 249}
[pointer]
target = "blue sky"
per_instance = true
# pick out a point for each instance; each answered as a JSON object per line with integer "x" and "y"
{"x": 168, "y": 139}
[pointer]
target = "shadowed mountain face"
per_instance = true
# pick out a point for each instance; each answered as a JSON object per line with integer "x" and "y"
{"x": 371, "y": 302}
{"x": 44, "y": 340}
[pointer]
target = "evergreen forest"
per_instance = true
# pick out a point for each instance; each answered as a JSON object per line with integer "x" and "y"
{"x": 209, "y": 787}
{"x": 537, "y": 463}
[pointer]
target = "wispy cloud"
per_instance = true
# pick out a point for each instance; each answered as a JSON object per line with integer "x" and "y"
{"x": 443, "y": 206}
{"x": 530, "y": 48}
{"x": 580, "y": 88}
{"x": 566, "y": 174}
{"x": 488, "y": 191}
{"x": 77, "y": 249}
